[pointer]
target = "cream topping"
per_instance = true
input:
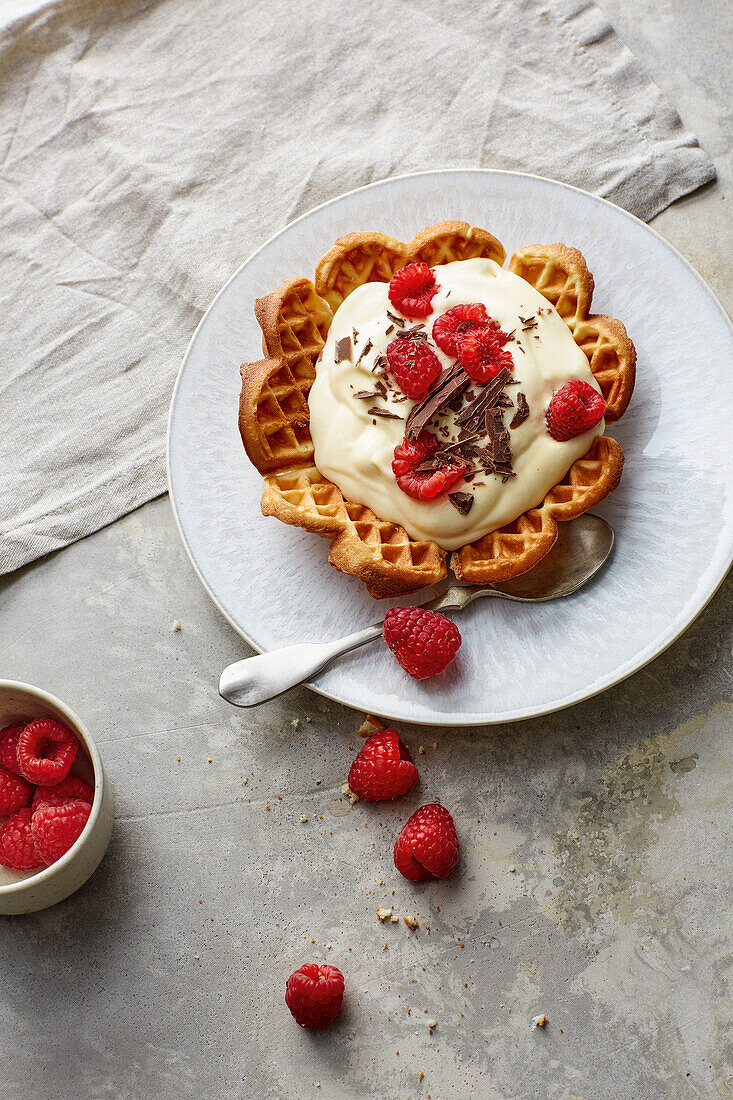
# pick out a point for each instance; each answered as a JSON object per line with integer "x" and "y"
{"x": 354, "y": 448}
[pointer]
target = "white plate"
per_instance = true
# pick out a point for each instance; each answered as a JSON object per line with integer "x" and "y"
{"x": 672, "y": 513}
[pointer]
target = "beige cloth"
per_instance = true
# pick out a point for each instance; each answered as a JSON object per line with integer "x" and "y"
{"x": 147, "y": 147}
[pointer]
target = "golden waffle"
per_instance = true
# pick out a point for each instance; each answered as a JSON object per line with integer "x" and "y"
{"x": 373, "y": 257}
{"x": 274, "y": 415}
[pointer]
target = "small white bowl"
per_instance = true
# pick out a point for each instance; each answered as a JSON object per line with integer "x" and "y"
{"x": 28, "y": 891}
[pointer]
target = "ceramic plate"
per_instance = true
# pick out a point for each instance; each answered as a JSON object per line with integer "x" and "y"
{"x": 672, "y": 513}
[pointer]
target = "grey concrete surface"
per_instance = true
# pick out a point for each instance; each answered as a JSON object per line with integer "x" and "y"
{"x": 595, "y": 884}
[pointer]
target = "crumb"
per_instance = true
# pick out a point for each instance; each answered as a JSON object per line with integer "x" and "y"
{"x": 295, "y": 723}
{"x": 435, "y": 744}
{"x": 369, "y": 726}
{"x": 431, "y": 1024}
{"x": 210, "y": 761}
{"x": 421, "y": 750}
{"x": 347, "y": 793}
{"x": 511, "y": 868}
{"x": 245, "y": 782}
{"x": 178, "y": 759}
{"x": 394, "y": 919}
{"x": 411, "y": 922}
{"x": 539, "y": 1021}
{"x": 303, "y": 818}
{"x": 318, "y": 782}
{"x": 176, "y": 626}
{"x": 420, "y": 1075}
{"x": 383, "y": 913}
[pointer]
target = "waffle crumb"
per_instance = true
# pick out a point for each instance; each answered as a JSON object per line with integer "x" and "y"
{"x": 295, "y": 723}
{"x": 411, "y": 921}
{"x": 176, "y": 626}
{"x": 421, "y": 750}
{"x": 383, "y": 913}
{"x": 540, "y": 1021}
{"x": 370, "y": 725}
{"x": 431, "y": 1024}
{"x": 394, "y": 919}
{"x": 303, "y": 818}
{"x": 348, "y": 793}
{"x": 420, "y": 1075}
{"x": 512, "y": 869}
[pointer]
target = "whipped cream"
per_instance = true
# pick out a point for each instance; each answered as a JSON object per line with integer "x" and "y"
{"x": 354, "y": 448}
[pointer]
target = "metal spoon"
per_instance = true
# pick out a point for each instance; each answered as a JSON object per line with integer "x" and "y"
{"x": 581, "y": 549}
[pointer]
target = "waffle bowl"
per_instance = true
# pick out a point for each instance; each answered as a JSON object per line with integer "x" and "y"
{"x": 274, "y": 415}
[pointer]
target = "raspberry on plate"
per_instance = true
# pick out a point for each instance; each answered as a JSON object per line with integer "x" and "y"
{"x": 424, "y": 484}
{"x": 413, "y": 365}
{"x": 427, "y": 847}
{"x": 383, "y": 768}
{"x": 424, "y": 642}
{"x": 574, "y": 409}
{"x": 15, "y": 792}
{"x": 57, "y": 825}
{"x": 482, "y": 354}
{"x": 456, "y": 323}
{"x": 46, "y": 751}
{"x": 314, "y": 994}
{"x": 71, "y": 787}
{"x": 9, "y": 748}
{"x": 17, "y": 846}
{"x": 412, "y": 290}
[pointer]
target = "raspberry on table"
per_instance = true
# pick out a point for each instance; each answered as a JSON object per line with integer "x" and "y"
{"x": 456, "y": 323}
{"x": 71, "y": 787}
{"x": 413, "y": 365}
{"x": 412, "y": 290}
{"x": 482, "y": 354}
{"x": 383, "y": 768}
{"x": 9, "y": 747}
{"x": 15, "y": 792}
{"x": 574, "y": 409}
{"x": 424, "y": 484}
{"x": 427, "y": 847}
{"x": 57, "y": 825}
{"x": 46, "y": 751}
{"x": 17, "y": 846}
{"x": 314, "y": 994}
{"x": 424, "y": 642}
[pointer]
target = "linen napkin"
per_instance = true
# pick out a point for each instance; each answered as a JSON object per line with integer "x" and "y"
{"x": 148, "y": 146}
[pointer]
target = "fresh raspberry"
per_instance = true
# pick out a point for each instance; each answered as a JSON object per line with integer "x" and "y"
{"x": 482, "y": 354}
{"x": 314, "y": 994}
{"x": 451, "y": 327}
{"x": 383, "y": 768}
{"x": 423, "y": 484}
{"x": 424, "y": 642}
{"x": 14, "y": 792}
{"x": 9, "y": 748}
{"x": 413, "y": 365}
{"x": 427, "y": 847}
{"x": 575, "y": 408}
{"x": 58, "y": 825}
{"x": 46, "y": 751}
{"x": 412, "y": 289}
{"x": 17, "y": 846}
{"x": 71, "y": 787}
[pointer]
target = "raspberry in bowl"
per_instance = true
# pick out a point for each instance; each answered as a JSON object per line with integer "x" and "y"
{"x": 55, "y": 801}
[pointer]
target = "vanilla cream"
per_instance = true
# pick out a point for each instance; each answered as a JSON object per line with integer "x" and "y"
{"x": 354, "y": 448}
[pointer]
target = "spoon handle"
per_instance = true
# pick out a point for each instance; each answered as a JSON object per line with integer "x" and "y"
{"x": 257, "y": 679}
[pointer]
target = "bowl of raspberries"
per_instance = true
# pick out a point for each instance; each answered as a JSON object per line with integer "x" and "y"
{"x": 55, "y": 803}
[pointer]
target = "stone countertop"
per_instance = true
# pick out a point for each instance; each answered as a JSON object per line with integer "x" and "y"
{"x": 595, "y": 884}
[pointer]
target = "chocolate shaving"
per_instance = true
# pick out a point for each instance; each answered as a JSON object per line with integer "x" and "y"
{"x": 462, "y": 501}
{"x": 389, "y": 330}
{"x": 472, "y": 414}
{"x": 501, "y": 450}
{"x": 367, "y": 348}
{"x": 504, "y": 401}
{"x": 399, "y": 321}
{"x": 451, "y": 382}
{"x": 380, "y": 364}
{"x": 385, "y": 413}
{"x": 522, "y": 411}
{"x": 367, "y": 395}
{"x": 343, "y": 349}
